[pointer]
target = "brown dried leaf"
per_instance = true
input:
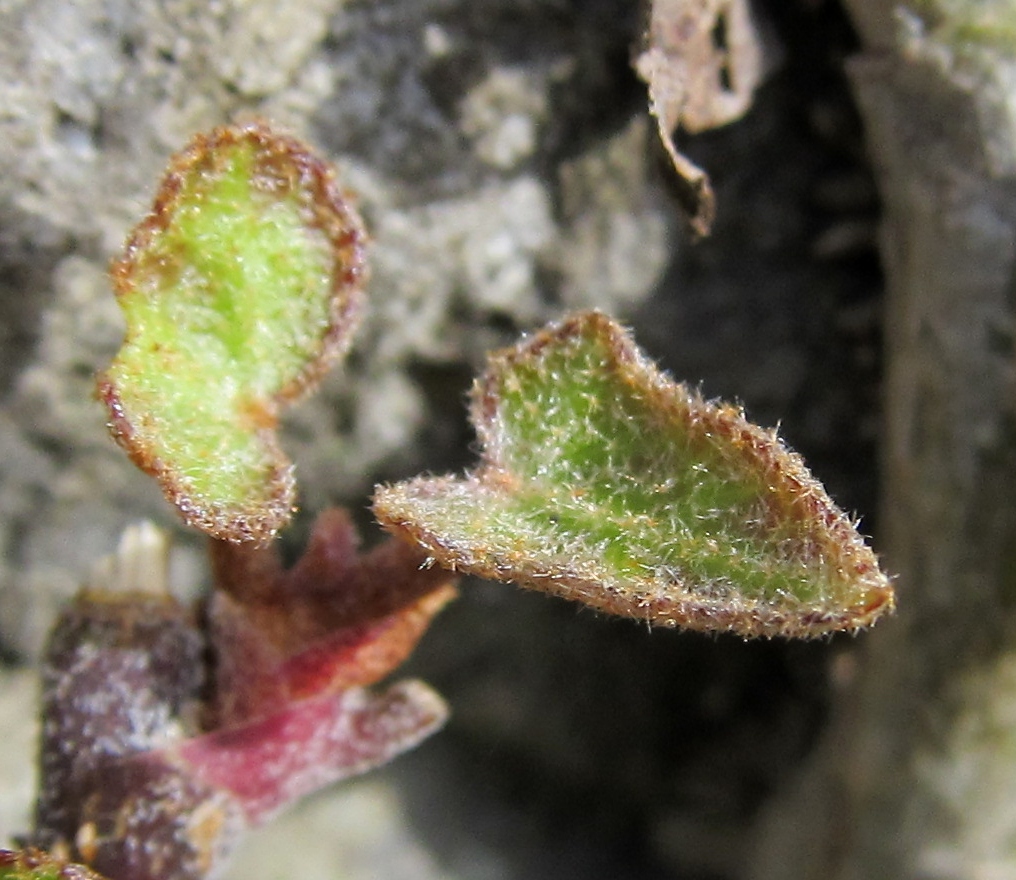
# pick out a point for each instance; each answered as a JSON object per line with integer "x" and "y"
{"x": 35, "y": 864}
{"x": 702, "y": 62}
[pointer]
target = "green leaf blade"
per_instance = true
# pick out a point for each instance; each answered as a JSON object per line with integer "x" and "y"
{"x": 605, "y": 481}
{"x": 240, "y": 288}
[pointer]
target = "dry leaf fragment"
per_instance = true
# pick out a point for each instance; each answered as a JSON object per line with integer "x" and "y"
{"x": 35, "y": 864}
{"x": 702, "y": 63}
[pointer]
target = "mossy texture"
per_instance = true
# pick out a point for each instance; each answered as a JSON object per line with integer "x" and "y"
{"x": 239, "y": 289}
{"x": 605, "y": 481}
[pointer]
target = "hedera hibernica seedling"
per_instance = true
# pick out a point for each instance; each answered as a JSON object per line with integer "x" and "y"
{"x": 605, "y": 481}
{"x": 240, "y": 288}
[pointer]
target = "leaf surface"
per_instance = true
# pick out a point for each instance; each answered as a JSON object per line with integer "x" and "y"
{"x": 603, "y": 480}
{"x": 239, "y": 289}
{"x": 335, "y": 620}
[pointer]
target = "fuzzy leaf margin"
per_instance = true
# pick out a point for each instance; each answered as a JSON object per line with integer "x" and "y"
{"x": 240, "y": 289}
{"x": 604, "y": 481}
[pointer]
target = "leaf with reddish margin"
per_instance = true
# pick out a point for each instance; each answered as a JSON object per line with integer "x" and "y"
{"x": 604, "y": 481}
{"x": 239, "y": 289}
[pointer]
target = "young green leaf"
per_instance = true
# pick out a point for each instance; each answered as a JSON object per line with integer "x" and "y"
{"x": 239, "y": 289}
{"x": 604, "y": 481}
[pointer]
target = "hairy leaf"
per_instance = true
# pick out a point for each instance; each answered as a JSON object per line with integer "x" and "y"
{"x": 239, "y": 289}
{"x": 604, "y": 481}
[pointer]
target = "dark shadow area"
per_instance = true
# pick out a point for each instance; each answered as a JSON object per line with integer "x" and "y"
{"x": 780, "y": 308}
{"x": 573, "y": 733}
